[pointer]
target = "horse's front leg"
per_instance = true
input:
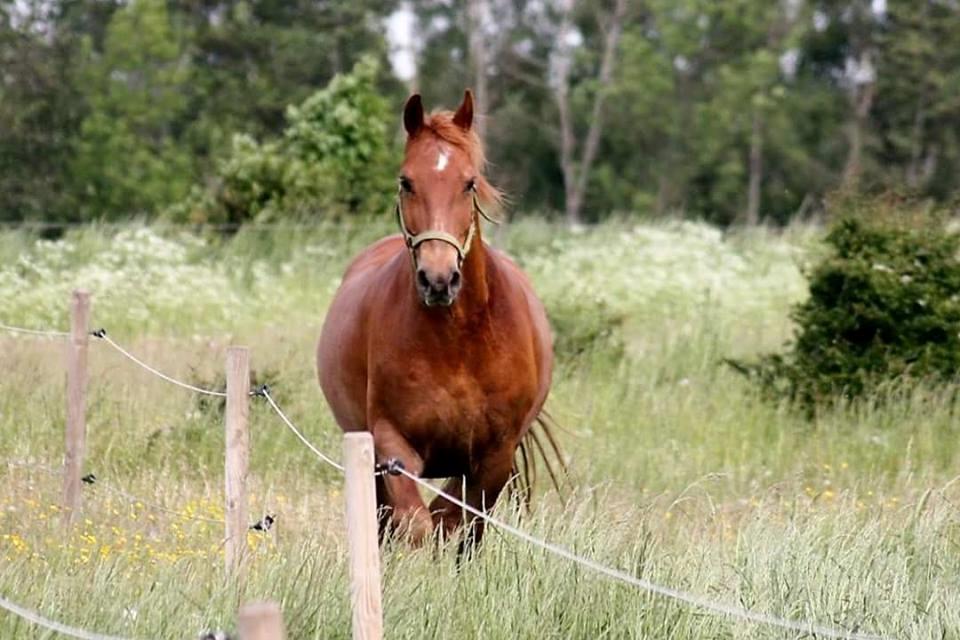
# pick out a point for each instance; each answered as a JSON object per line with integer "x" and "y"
{"x": 447, "y": 515}
{"x": 398, "y": 499}
{"x": 483, "y": 487}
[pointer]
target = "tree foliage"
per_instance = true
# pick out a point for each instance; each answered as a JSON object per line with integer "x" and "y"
{"x": 111, "y": 109}
{"x": 39, "y": 110}
{"x": 127, "y": 158}
{"x": 733, "y": 111}
{"x": 708, "y": 95}
{"x": 333, "y": 159}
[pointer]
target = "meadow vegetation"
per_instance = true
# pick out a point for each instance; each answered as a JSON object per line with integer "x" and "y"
{"x": 681, "y": 472}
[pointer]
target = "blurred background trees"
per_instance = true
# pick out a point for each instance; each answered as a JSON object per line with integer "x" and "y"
{"x": 734, "y": 111}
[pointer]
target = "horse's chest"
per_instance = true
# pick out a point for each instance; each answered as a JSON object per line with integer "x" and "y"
{"x": 453, "y": 410}
{"x": 456, "y": 396}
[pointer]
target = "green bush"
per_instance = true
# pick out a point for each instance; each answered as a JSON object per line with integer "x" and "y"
{"x": 334, "y": 159}
{"x": 884, "y": 308}
{"x": 585, "y": 328}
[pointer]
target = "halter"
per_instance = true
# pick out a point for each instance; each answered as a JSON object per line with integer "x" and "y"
{"x": 415, "y": 240}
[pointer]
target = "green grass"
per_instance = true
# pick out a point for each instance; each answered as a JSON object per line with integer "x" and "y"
{"x": 682, "y": 474}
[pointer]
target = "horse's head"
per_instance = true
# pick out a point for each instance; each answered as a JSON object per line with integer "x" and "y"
{"x": 441, "y": 184}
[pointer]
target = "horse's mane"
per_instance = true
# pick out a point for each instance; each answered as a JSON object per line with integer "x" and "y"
{"x": 440, "y": 124}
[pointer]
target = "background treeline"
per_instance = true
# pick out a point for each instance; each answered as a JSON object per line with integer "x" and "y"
{"x": 728, "y": 110}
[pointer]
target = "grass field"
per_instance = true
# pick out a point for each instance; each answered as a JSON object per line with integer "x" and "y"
{"x": 681, "y": 474}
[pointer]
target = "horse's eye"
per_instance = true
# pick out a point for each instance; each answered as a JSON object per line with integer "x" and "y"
{"x": 405, "y": 184}
{"x": 471, "y": 186}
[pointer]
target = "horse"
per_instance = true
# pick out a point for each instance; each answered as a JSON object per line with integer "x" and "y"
{"x": 435, "y": 342}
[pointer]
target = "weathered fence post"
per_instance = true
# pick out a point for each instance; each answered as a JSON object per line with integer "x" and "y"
{"x": 260, "y": 621}
{"x": 237, "y": 456}
{"x": 362, "y": 536}
{"x": 76, "y": 431}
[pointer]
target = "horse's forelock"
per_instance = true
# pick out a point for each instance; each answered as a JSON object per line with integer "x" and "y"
{"x": 440, "y": 124}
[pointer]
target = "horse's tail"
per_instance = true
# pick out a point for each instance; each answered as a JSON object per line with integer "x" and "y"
{"x": 525, "y": 460}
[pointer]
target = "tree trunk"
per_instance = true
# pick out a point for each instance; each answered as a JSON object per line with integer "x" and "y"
{"x": 476, "y": 10}
{"x": 567, "y": 163}
{"x": 756, "y": 168}
{"x": 414, "y": 82}
{"x": 916, "y": 149}
{"x": 663, "y": 189}
{"x": 576, "y": 174}
{"x": 778, "y": 30}
{"x": 862, "y": 99}
{"x": 560, "y": 72}
{"x": 861, "y": 93}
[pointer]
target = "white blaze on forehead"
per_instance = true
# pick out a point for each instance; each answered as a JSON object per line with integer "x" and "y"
{"x": 442, "y": 158}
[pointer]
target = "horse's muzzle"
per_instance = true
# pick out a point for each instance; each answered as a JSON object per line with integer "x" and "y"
{"x": 438, "y": 290}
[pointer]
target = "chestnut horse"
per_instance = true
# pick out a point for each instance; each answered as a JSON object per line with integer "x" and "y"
{"x": 435, "y": 342}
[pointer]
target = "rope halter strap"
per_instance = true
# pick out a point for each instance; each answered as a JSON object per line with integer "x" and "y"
{"x": 415, "y": 240}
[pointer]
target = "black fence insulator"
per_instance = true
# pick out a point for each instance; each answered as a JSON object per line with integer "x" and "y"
{"x": 99, "y": 333}
{"x": 261, "y": 391}
{"x": 265, "y": 524}
{"x": 392, "y": 467}
{"x": 89, "y": 478}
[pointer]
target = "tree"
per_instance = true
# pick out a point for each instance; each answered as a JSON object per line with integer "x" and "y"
{"x": 40, "y": 109}
{"x": 477, "y": 21}
{"x": 860, "y": 80}
{"x": 250, "y": 59}
{"x": 726, "y": 110}
{"x": 745, "y": 93}
{"x": 917, "y": 109}
{"x": 779, "y": 21}
{"x": 707, "y": 90}
{"x": 165, "y": 85}
{"x": 128, "y": 159}
{"x": 576, "y": 172}
{"x": 333, "y": 159}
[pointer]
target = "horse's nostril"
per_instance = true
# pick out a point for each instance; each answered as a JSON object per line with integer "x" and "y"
{"x": 455, "y": 279}
{"x": 422, "y": 279}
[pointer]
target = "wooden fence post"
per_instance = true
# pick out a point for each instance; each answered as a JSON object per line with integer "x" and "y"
{"x": 237, "y": 456}
{"x": 76, "y": 431}
{"x": 362, "y": 537}
{"x": 260, "y": 621}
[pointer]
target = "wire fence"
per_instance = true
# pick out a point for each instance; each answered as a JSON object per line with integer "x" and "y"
{"x": 99, "y": 484}
{"x": 102, "y": 335}
{"x": 265, "y": 392}
{"x": 52, "y": 625}
{"x": 34, "y": 332}
{"x": 395, "y": 468}
{"x": 129, "y": 497}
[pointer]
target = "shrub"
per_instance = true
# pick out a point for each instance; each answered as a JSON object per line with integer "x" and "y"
{"x": 334, "y": 159}
{"x": 884, "y": 307}
{"x": 585, "y": 328}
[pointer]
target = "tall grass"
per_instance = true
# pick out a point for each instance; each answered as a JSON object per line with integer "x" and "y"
{"x": 681, "y": 474}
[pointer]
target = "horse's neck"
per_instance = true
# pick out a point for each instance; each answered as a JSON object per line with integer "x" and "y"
{"x": 476, "y": 287}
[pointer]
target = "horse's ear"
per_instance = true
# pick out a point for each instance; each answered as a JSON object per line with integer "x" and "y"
{"x": 463, "y": 118}
{"x": 413, "y": 115}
